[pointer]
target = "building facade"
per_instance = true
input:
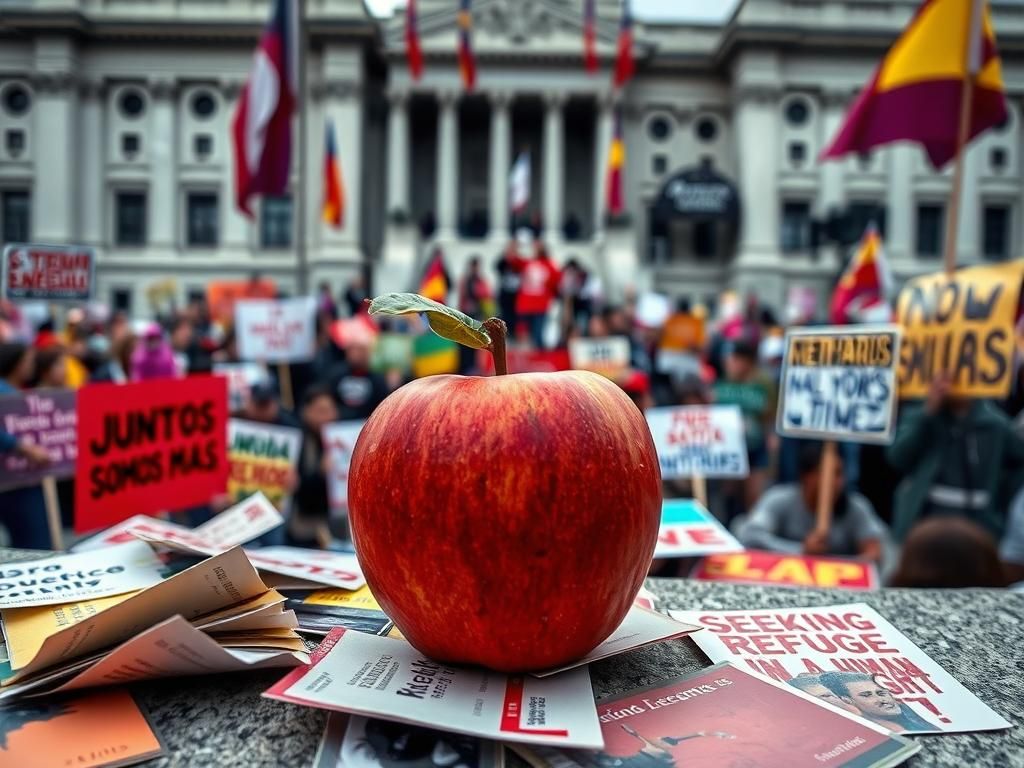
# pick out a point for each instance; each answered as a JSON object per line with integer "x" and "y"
{"x": 115, "y": 133}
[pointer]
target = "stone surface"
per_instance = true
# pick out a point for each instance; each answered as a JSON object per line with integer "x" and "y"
{"x": 976, "y": 635}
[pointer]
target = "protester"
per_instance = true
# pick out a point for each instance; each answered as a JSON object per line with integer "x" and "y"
{"x": 325, "y": 303}
{"x": 538, "y": 287}
{"x": 309, "y": 521}
{"x": 784, "y": 519}
{"x": 22, "y": 510}
{"x": 357, "y": 388}
{"x": 1011, "y": 549}
{"x": 949, "y": 553}
{"x": 51, "y": 368}
{"x": 874, "y": 701}
{"x": 356, "y": 295}
{"x": 509, "y": 281}
{"x": 264, "y": 406}
{"x": 153, "y": 358}
{"x": 957, "y": 457}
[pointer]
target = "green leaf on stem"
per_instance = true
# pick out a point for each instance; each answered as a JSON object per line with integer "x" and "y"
{"x": 444, "y": 321}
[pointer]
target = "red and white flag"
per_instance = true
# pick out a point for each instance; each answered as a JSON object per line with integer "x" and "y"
{"x": 262, "y": 126}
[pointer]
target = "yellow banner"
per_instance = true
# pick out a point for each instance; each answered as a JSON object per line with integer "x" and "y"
{"x": 961, "y": 325}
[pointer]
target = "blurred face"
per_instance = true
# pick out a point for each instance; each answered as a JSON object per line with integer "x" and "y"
{"x": 319, "y": 413}
{"x": 182, "y": 336}
{"x": 812, "y": 482}
{"x": 738, "y": 367}
{"x": 358, "y": 355}
{"x": 57, "y": 376}
{"x": 873, "y": 700}
{"x": 264, "y": 412}
{"x": 819, "y": 691}
{"x": 26, "y": 368}
{"x": 597, "y": 328}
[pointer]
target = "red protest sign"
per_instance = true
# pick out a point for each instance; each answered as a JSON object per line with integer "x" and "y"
{"x": 754, "y": 567}
{"x": 148, "y": 447}
{"x": 48, "y": 272}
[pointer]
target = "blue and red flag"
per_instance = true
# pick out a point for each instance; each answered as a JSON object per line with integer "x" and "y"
{"x": 262, "y": 126}
{"x": 413, "y": 50}
{"x": 590, "y": 36}
{"x": 334, "y": 187}
{"x": 467, "y": 60}
{"x": 625, "y": 67}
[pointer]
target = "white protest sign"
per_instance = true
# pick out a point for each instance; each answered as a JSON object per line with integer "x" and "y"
{"x": 689, "y": 530}
{"x": 241, "y": 379}
{"x": 699, "y": 440}
{"x": 80, "y": 576}
{"x": 855, "y": 654}
{"x": 608, "y": 356}
{"x": 840, "y": 383}
{"x": 380, "y": 677}
{"x": 339, "y": 439}
{"x": 276, "y": 330}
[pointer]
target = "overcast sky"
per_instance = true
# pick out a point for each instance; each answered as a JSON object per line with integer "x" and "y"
{"x": 690, "y": 10}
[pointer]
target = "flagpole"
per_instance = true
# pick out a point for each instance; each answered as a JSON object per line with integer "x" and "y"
{"x": 302, "y": 267}
{"x": 972, "y": 59}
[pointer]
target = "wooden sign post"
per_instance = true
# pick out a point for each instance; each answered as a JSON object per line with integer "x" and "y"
{"x": 53, "y": 513}
{"x": 826, "y": 487}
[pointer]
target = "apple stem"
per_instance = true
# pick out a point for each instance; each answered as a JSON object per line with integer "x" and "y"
{"x": 497, "y": 330}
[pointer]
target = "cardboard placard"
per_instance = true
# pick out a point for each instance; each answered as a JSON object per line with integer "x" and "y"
{"x": 262, "y": 459}
{"x": 241, "y": 379}
{"x": 757, "y": 567}
{"x": 961, "y": 325}
{"x": 689, "y": 530}
{"x": 148, "y": 447}
{"x": 222, "y": 295}
{"x": 839, "y": 383}
{"x": 44, "y": 417}
{"x": 49, "y": 272}
{"x": 608, "y": 356}
{"x": 276, "y": 331}
{"x": 701, "y": 440}
{"x": 339, "y": 440}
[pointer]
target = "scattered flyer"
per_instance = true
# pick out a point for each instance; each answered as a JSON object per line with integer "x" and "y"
{"x": 380, "y": 677}
{"x": 839, "y": 383}
{"x": 339, "y": 439}
{"x": 754, "y": 566}
{"x": 640, "y": 628}
{"x": 81, "y": 576}
{"x": 849, "y": 656}
{"x": 689, "y": 530}
{"x": 724, "y": 716}
{"x": 699, "y": 440}
{"x": 316, "y": 566}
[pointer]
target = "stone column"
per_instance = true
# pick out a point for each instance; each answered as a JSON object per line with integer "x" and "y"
{"x": 968, "y": 240}
{"x": 501, "y": 165}
{"x": 832, "y": 195}
{"x": 92, "y": 192}
{"x": 902, "y": 209}
{"x": 447, "y": 165}
{"x": 54, "y": 215}
{"x": 239, "y": 233}
{"x": 341, "y": 103}
{"x": 163, "y": 205}
{"x": 399, "y": 170}
{"x": 554, "y": 166}
{"x": 606, "y": 104}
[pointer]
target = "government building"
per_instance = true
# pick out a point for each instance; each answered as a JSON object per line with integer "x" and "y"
{"x": 115, "y": 133}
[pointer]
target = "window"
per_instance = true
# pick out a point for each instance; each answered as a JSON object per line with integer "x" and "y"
{"x": 17, "y": 215}
{"x": 204, "y": 105}
{"x": 863, "y": 214}
{"x": 930, "y": 225}
{"x": 797, "y": 112}
{"x": 276, "y": 222}
{"x": 707, "y": 130}
{"x": 203, "y": 145}
{"x": 797, "y": 153}
{"x": 121, "y": 300}
{"x": 796, "y": 226}
{"x": 17, "y": 100}
{"x": 659, "y": 165}
{"x": 659, "y": 128}
{"x": 130, "y": 218}
{"x": 15, "y": 143}
{"x": 996, "y": 232}
{"x": 705, "y": 239}
{"x": 997, "y": 157}
{"x": 131, "y": 143}
{"x": 202, "y": 218}
{"x": 131, "y": 103}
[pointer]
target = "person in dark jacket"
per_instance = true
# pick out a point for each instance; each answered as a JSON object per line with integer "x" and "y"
{"x": 310, "y": 504}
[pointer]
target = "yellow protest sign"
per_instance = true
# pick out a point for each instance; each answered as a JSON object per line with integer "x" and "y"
{"x": 962, "y": 325}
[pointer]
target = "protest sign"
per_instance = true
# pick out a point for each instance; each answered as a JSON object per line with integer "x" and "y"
{"x": 262, "y": 459}
{"x": 839, "y": 383}
{"x": 339, "y": 439}
{"x": 704, "y": 440}
{"x": 241, "y": 379}
{"x": 149, "y": 446}
{"x": 49, "y": 272}
{"x": 381, "y": 677}
{"x": 276, "y": 331}
{"x": 82, "y": 576}
{"x": 222, "y": 295}
{"x": 888, "y": 679}
{"x": 392, "y": 352}
{"x": 961, "y": 325}
{"x": 46, "y": 418}
{"x": 608, "y": 356}
{"x": 756, "y": 567}
{"x": 689, "y": 530}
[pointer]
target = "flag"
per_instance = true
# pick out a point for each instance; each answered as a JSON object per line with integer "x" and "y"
{"x": 262, "y": 126}
{"x": 916, "y": 92}
{"x": 433, "y": 355}
{"x": 435, "y": 284}
{"x": 861, "y": 295}
{"x": 413, "y": 51}
{"x": 334, "y": 187}
{"x": 624, "y": 64}
{"x": 616, "y": 161}
{"x": 467, "y": 61}
{"x": 590, "y": 36}
{"x": 519, "y": 183}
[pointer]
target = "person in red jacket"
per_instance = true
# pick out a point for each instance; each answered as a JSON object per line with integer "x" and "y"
{"x": 539, "y": 284}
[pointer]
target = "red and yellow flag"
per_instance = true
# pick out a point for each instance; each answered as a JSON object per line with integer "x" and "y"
{"x": 616, "y": 163}
{"x": 413, "y": 50}
{"x": 861, "y": 293}
{"x": 467, "y": 59}
{"x": 915, "y": 95}
{"x": 590, "y": 60}
{"x": 435, "y": 283}
{"x": 334, "y": 188}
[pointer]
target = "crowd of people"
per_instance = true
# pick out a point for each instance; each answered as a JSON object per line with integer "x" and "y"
{"x": 942, "y": 506}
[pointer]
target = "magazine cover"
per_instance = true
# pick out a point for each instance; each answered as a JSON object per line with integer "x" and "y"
{"x": 724, "y": 716}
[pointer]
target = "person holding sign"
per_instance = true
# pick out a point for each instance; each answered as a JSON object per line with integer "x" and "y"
{"x": 784, "y": 519}
{"x": 958, "y": 457}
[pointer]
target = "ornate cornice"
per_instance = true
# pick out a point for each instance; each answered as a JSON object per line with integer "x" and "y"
{"x": 335, "y": 89}
{"x": 55, "y": 83}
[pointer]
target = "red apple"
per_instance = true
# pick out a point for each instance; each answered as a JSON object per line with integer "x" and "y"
{"x": 506, "y": 521}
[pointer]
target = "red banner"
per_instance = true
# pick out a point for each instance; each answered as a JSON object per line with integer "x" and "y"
{"x": 754, "y": 567}
{"x": 148, "y": 447}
